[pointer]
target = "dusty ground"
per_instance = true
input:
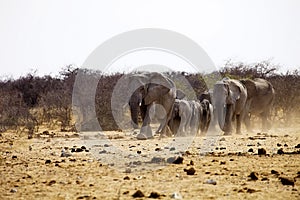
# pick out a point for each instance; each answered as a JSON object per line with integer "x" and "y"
{"x": 118, "y": 167}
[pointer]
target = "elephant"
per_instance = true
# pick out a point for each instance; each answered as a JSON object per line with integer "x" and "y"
{"x": 155, "y": 88}
{"x": 260, "y": 99}
{"x": 185, "y": 118}
{"x": 207, "y": 115}
{"x": 137, "y": 106}
{"x": 229, "y": 99}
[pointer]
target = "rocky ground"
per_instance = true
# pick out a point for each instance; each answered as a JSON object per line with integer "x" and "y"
{"x": 114, "y": 165}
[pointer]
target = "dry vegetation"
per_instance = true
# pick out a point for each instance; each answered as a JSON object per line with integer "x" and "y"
{"x": 32, "y": 101}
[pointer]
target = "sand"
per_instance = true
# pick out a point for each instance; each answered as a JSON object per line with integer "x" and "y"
{"x": 114, "y": 165}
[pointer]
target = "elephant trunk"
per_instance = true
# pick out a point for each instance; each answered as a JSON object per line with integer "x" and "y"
{"x": 134, "y": 109}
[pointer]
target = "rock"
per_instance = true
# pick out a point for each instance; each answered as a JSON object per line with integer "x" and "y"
{"x": 13, "y": 190}
{"x": 222, "y": 163}
{"x": 222, "y": 148}
{"x": 126, "y": 178}
{"x": 287, "y": 181}
{"x": 274, "y": 172}
{"x": 279, "y": 145}
{"x": 139, "y": 152}
{"x": 14, "y": 157}
{"x": 297, "y": 146}
{"x": 51, "y": 182}
{"x": 280, "y": 151}
{"x": 222, "y": 139}
{"x": 30, "y": 148}
{"x": 262, "y": 151}
{"x": 175, "y": 160}
{"x": 190, "y": 171}
{"x": 106, "y": 145}
{"x": 191, "y": 162}
{"x": 128, "y": 170}
{"x": 83, "y": 147}
{"x": 172, "y": 149}
{"x": 157, "y": 160}
{"x": 176, "y": 195}
{"x": 157, "y": 149}
{"x": 47, "y": 161}
{"x": 211, "y": 181}
{"x": 264, "y": 179}
{"x": 285, "y": 145}
{"x": 102, "y": 152}
{"x": 154, "y": 195}
{"x": 253, "y": 176}
{"x": 65, "y": 153}
{"x": 138, "y": 194}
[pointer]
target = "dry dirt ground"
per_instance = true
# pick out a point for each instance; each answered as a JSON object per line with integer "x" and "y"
{"x": 114, "y": 165}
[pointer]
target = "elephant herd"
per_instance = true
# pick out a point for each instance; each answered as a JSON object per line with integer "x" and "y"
{"x": 231, "y": 102}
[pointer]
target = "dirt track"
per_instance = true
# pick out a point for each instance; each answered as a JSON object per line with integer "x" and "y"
{"x": 35, "y": 169}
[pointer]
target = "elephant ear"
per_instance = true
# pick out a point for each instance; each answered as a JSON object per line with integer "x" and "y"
{"x": 250, "y": 86}
{"x": 234, "y": 93}
{"x": 179, "y": 94}
{"x": 155, "y": 92}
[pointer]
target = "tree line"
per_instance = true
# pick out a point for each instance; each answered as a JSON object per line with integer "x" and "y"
{"x": 31, "y": 101}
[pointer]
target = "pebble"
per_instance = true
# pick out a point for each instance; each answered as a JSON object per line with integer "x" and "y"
{"x": 287, "y": 181}
{"x": 175, "y": 160}
{"x": 13, "y": 190}
{"x": 274, "y": 172}
{"x": 190, "y": 171}
{"x": 126, "y": 178}
{"x": 157, "y": 160}
{"x": 139, "y": 152}
{"x": 297, "y": 146}
{"x": 154, "y": 195}
{"x": 253, "y": 176}
{"x": 47, "y": 161}
{"x": 262, "y": 151}
{"x": 176, "y": 195}
{"x": 172, "y": 149}
{"x": 102, "y": 152}
{"x": 138, "y": 194}
{"x": 280, "y": 151}
{"x": 157, "y": 149}
{"x": 14, "y": 157}
{"x": 250, "y": 150}
{"x": 211, "y": 181}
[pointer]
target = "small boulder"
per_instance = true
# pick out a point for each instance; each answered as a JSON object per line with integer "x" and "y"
{"x": 138, "y": 194}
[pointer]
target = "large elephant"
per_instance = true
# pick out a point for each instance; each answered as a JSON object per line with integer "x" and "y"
{"x": 138, "y": 108}
{"x": 155, "y": 88}
{"x": 229, "y": 99}
{"x": 259, "y": 101}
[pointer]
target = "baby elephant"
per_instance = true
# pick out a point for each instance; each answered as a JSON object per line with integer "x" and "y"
{"x": 207, "y": 113}
{"x": 188, "y": 117}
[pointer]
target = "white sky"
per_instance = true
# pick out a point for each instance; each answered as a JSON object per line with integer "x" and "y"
{"x": 49, "y": 34}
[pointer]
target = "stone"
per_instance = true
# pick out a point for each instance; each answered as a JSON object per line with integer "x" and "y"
{"x": 190, "y": 171}
{"x": 138, "y": 194}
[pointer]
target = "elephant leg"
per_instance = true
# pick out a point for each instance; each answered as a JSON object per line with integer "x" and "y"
{"x": 238, "y": 124}
{"x": 146, "y": 131}
{"x": 247, "y": 122}
{"x": 264, "y": 121}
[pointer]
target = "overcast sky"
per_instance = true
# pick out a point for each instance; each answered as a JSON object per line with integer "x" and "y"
{"x": 49, "y": 34}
